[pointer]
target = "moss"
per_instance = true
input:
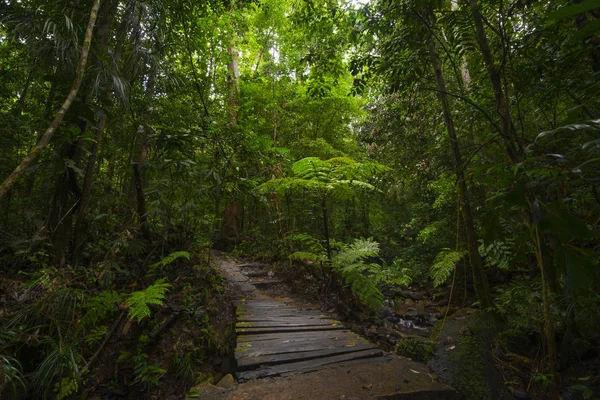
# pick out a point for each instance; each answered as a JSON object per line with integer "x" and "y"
{"x": 475, "y": 370}
{"x": 415, "y": 348}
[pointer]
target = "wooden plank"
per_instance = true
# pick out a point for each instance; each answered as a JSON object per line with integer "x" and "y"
{"x": 248, "y": 363}
{"x": 283, "y": 343}
{"x": 295, "y": 336}
{"x": 264, "y": 318}
{"x": 278, "y": 312}
{"x": 287, "y": 348}
{"x": 282, "y": 322}
{"x": 254, "y": 331}
{"x": 306, "y": 366}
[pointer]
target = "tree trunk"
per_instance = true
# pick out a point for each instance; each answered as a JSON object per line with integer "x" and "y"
{"x": 508, "y": 132}
{"x": 480, "y": 280}
{"x": 35, "y": 153}
{"x": 142, "y": 156}
{"x": 326, "y": 227}
{"x": 103, "y": 35}
{"x": 507, "y": 128}
{"x": 233, "y": 82}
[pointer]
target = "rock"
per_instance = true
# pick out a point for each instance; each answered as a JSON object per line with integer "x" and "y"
{"x": 519, "y": 394}
{"x": 226, "y": 382}
{"x": 203, "y": 390}
{"x": 386, "y": 312}
{"x": 202, "y": 377}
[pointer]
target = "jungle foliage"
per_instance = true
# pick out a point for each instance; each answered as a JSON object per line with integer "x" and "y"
{"x": 407, "y": 142}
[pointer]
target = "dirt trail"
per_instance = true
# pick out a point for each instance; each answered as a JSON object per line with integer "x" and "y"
{"x": 300, "y": 352}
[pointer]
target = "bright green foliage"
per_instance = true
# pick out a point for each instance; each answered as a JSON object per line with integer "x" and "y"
{"x": 415, "y": 348}
{"x": 139, "y": 303}
{"x": 333, "y": 131}
{"x": 362, "y": 277}
{"x": 100, "y": 306}
{"x": 170, "y": 258}
{"x": 337, "y": 177}
{"x": 444, "y": 264}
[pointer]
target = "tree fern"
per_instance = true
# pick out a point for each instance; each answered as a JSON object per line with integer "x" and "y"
{"x": 360, "y": 276}
{"x": 139, "y": 302}
{"x": 444, "y": 264}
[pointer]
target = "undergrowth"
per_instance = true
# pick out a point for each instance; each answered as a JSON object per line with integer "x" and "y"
{"x": 63, "y": 332}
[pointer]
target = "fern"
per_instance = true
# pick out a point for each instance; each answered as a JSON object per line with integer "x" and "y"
{"x": 498, "y": 254}
{"x": 139, "y": 302}
{"x": 337, "y": 177}
{"x": 444, "y": 264}
{"x": 359, "y": 250}
{"x": 307, "y": 256}
{"x": 99, "y": 307}
{"x": 170, "y": 258}
{"x": 360, "y": 276}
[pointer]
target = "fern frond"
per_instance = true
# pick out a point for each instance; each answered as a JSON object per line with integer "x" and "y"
{"x": 444, "y": 264}
{"x": 360, "y": 276}
{"x": 498, "y": 254}
{"x": 359, "y": 250}
{"x": 99, "y": 307}
{"x": 364, "y": 286}
{"x": 170, "y": 258}
{"x": 139, "y": 302}
{"x": 307, "y": 256}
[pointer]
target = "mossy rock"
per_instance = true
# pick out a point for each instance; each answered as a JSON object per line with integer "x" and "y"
{"x": 467, "y": 363}
{"x": 515, "y": 341}
{"x": 227, "y": 382}
{"x": 416, "y": 349}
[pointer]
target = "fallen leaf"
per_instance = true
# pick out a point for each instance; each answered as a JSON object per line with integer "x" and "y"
{"x": 333, "y": 324}
{"x": 369, "y": 386}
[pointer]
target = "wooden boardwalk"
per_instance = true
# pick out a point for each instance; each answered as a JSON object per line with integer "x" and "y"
{"x": 276, "y": 337}
{"x": 310, "y": 354}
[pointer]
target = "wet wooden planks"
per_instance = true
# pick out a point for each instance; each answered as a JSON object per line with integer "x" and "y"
{"x": 277, "y": 337}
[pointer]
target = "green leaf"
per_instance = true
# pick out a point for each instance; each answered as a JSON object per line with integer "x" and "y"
{"x": 564, "y": 225}
{"x": 516, "y": 196}
{"x": 579, "y": 267}
{"x": 586, "y": 392}
{"x": 573, "y": 10}
{"x": 590, "y": 29}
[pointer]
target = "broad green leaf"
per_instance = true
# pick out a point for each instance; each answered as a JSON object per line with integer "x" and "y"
{"x": 572, "y": 10}
{"x": 579, "y": 267}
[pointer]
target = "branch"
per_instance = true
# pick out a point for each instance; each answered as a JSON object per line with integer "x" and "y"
{"x": 35, "y": 153}
{"x": 472, "y": 103}
{"x": 94, "y": 358}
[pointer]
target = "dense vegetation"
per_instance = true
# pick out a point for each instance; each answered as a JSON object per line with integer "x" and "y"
{"x": 447, "y": 144}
